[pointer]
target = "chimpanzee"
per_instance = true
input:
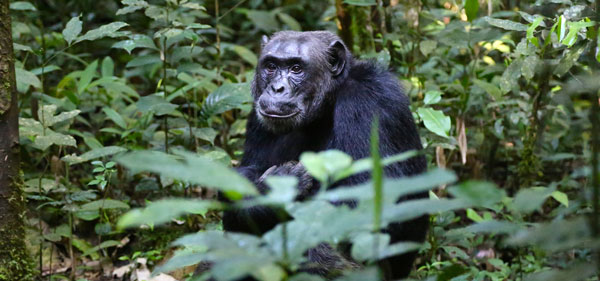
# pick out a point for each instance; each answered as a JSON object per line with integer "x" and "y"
{"x": 310, "y": 94}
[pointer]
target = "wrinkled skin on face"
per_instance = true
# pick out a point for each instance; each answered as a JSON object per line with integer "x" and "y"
{"x": 294, "y": 74}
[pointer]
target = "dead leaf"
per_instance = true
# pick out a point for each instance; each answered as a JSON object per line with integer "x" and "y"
{"x": 462, "y": 139}
{"x": 440, "y": 157}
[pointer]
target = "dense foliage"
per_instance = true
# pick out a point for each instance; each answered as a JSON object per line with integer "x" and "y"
{"x": 133, "y": 112}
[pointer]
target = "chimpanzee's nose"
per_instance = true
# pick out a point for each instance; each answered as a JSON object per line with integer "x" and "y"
{"x": 278, "y": 88}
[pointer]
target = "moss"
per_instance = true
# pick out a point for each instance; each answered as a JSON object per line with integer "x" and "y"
{"x": 5, "y": 97}
{"x": 15, "y": 261}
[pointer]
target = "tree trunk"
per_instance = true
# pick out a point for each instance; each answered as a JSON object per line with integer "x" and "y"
{"x": 345, "y": 20}
{"x": 15, "y": 263}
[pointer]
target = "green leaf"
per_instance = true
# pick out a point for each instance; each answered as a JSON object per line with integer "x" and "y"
{"x": 471, "y": 9}
{"x": 22, "y": 6}
{"x": 558, "y": 235}
{"x": 303, "y": 276}
{"x": 361, "y": 2}
{"x": 19, "y": 47}
{"x": 136, "y": 41}
{"x": 570, "y": 57}
{"x": 510, "y": 77}
{"x": 291, "y": 22}
{"x": 245, "y": 54}
{"x": 86, "y": 76}
{"x": 427, "y": 46}
{"x": 63, "y": 116}
{"x": 531, "y": 29}
{"x": 576, "y": 271}
{"x": 493, "y": 227}
{"x": 93, "y": 154}
{"x": 227, "y": 97}
{"x": 191, "y": 168}
{"x": 156, "y": 104}
{"x": 473, "y": 215}
{"x": 574, "y": 28}
{"x": 314, "y": 165}
{"x": 506, "y": 24}
{"x": 529, "y": 66}
{"x": 531, "y": 199}
{"x": 84, "y": 246}
{"x": 132, "y": 6}
{"x": 72, "y": 30}
{"x": 115, "y": 117}
{"x": 107, "y": 30}
{"x": 42, "y": 142}
{"x": 478, "y": 193}
{"x": 561, "y": 197}
{"x": 144, "y": 60}
{"x": 25, "y": 79}
{"x": 45, "y": 69}
{"x": 163, "y": 211}
{"x": 104, "y": 204}
{"x": 490, "y": 89}
{"x": 29, "y": 127}
{"x": 108, "y": 67}
{"x": 323, "y": 164}
{"x": 46, "y": 185}
{"x": 432, "y": 97}
{"x": 263, "y": 20}
{"x": 561, "y": 28}
{"x": 208, "y": 134}
{"x": 103, "y": 245}
{"x": 363, "y": 247}
{"x": 435, "y": 121}
{"x": 392, "y": 188}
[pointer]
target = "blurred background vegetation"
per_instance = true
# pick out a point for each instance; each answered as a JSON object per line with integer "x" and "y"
{"x": 505, "y": 93}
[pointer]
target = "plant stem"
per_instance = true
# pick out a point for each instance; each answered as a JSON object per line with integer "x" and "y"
{"x": 595, "y": 134}
{"x": 377, "y": 178}
{"x": 218, "y": 35}
{"x": 164, "y": 84}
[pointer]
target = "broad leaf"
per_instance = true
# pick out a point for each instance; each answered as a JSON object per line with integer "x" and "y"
{"x": 191, "y": 168}
{"x": 506, "y": 24}
{"x": 435, "y": 121}
{"x": 163, "y": 211}
{"x": 72, "y": 30}
{"x": 227, "y": 97}
{"x": 104, "y": 204}
{"x": 107, "y": 30}
{"x": 93, "y": 154}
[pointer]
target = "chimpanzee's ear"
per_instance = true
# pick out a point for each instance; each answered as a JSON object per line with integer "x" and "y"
{"x": 337, "y": 57}
{"x": 264, "y": 41}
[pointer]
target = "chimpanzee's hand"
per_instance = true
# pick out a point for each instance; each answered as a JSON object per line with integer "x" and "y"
{"x": 306, "y": 187}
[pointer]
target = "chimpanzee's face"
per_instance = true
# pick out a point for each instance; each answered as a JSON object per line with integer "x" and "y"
{"x": 293, "y": 76}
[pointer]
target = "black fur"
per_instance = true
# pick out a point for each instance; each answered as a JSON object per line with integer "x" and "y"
{"x": 347, "y": 102}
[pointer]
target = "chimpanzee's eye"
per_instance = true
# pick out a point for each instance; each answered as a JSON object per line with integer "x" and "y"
{"x": 271, "y": 67}
{"x": 296, "y": 69}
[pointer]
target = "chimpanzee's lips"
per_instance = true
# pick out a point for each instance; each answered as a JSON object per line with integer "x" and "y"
{"x": 277, "y": 116}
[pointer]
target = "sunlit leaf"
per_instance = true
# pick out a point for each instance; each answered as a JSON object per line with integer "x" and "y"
{"x": 22, "y": 6}
{"x": 506, "y": 24}
{"x": 435, "y": 121}
{"x": 360, "y": 2}
{"x": 471, "y": 9}
{"x": 107, "y": 30}
{"x": 115, "y": 117}
{"x": 93, "y": 154}
{"x": 160, "y": 212}
{"x": 104, "y": 204}
{"x": 191, "y": 168}
{"x": 227, "y": 97}
{"x": 478, "y": 193}
{"x": 72, "y": 30}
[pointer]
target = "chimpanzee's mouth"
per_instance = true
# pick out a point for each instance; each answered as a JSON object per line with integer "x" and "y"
{"x": 277, "y": 115}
